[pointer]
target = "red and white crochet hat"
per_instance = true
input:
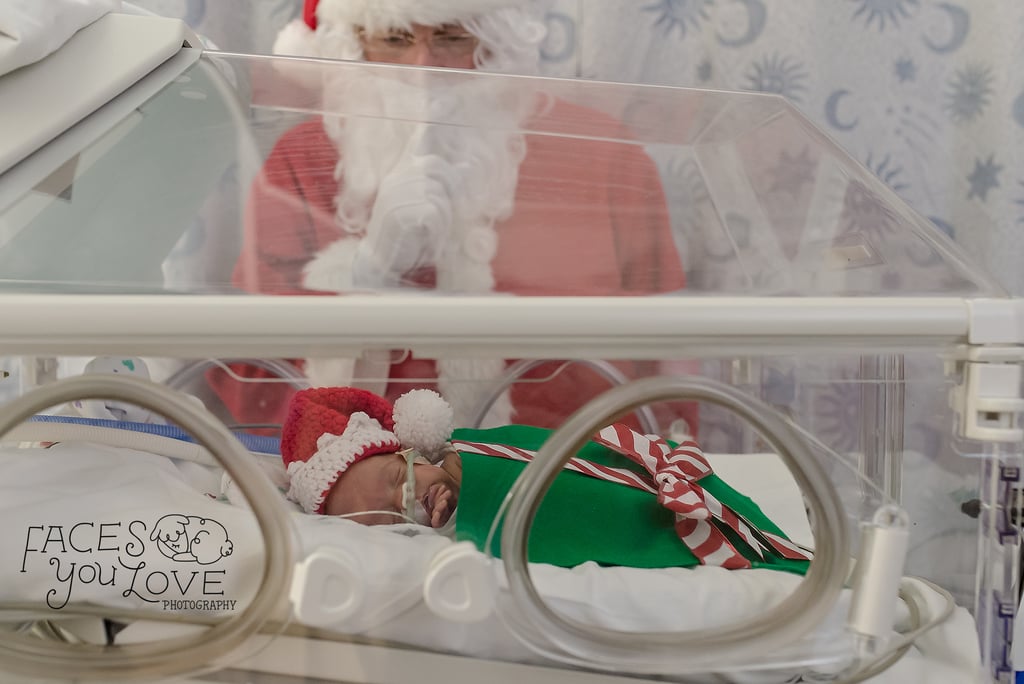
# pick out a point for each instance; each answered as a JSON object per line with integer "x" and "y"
{"x": 328, "y": 429}
{"x": 328, "y": 27}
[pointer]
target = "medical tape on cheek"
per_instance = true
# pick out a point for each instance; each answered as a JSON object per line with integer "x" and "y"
{"x": 413, "y": 508}
{"x": 409, "y": 486}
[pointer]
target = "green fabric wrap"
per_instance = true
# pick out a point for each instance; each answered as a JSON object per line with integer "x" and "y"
{"x": 587, "y": 519}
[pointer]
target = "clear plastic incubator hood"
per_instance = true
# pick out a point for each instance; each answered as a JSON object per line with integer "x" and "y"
{"x": 715, "y": 405}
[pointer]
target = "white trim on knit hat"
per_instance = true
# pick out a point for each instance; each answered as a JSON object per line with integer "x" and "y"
{"x": 311, "y": 480}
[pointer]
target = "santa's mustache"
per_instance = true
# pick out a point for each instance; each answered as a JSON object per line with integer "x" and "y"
{"x": 420, "y": 164}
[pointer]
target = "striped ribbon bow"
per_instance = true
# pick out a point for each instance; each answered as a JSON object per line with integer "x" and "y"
{"x": 699, "y": 515}
{"x": 675, "y": 473}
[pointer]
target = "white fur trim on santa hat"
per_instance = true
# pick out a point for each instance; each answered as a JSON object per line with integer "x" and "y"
{"x": 509, "y": 30}
{"x": 312, "y": 480}
{"x": 375, "y": 15}
{"x": 296, "y": 39}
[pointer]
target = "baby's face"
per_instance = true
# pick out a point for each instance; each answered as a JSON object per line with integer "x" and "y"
{"x": 375, "y": 484}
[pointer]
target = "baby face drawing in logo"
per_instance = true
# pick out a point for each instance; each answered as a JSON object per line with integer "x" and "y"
{"x": 191, "y": 539}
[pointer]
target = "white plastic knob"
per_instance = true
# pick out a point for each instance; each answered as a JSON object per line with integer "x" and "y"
{"x": 460, "y": 585}
{"x": 327, "y": 588}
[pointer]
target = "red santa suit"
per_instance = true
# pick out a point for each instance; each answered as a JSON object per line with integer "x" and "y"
{"x": 589, "y": 218}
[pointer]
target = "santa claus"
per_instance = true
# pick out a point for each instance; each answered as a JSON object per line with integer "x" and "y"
{"x": 443, "y": 180}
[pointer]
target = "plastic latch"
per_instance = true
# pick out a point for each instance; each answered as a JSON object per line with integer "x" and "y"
{"x": 460, "y": 585}
{"x": 990, "y": 401}
{"x": 327, "y": 588}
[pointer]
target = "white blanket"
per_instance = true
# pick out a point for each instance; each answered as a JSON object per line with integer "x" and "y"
{"x": 80, "y": 522}
{"x": 32, "y": 29}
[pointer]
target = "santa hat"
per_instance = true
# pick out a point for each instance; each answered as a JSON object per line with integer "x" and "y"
{"x": 328, "y": 429}
{"x": 299, "y": 37}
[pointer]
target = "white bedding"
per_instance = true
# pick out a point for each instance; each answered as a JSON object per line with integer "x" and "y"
{"x": 30, "y": 30}
{"x": 117, "y": 497}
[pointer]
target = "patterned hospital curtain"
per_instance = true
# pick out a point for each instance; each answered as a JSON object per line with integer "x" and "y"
{"x": 928, "y": 94}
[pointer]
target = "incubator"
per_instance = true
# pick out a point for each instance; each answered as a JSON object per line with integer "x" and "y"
{"x": 190, "y": 239}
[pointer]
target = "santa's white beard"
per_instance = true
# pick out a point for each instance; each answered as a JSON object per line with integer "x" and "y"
{"x": 429, "y": 162}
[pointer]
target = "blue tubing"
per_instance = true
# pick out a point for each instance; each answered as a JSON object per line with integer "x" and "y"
{"x": 255, "y": 443}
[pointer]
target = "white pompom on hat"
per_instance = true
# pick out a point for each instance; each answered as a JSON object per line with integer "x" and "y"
{"x": 328, "y": 429}
{"x": 423, "y": 421}
{"x": 298, "y": 38}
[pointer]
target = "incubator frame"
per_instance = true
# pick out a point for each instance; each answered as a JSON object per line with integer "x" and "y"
{"x": 987, "y": 335}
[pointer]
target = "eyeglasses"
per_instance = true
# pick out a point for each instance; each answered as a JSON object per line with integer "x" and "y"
{"x": 447, "y": 41}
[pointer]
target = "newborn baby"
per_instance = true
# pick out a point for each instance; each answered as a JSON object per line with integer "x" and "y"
{"x": 347, "y": 452}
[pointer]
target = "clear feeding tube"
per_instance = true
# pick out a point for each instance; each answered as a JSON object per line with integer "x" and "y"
{"x": 79, "y": 661}
{"x": 557, "y": 636}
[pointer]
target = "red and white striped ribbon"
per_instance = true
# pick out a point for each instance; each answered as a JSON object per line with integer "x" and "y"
{"x": 675, "y": 473}
{"x": 577, "y": 465}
